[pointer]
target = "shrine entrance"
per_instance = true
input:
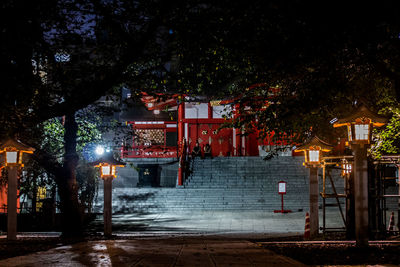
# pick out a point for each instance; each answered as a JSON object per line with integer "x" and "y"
{"x": 149, "y": 175}
{"x": 209, "y": 133}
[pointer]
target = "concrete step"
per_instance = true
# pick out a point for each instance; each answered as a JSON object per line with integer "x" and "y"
{"x": 236, "y": 183}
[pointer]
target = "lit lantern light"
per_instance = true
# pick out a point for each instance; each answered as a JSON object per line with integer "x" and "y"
{"x": 313, "y": 151}
{"x": 346, "y": 168}
{"x": 108, "y": 166}
{"x": 360, "y": 125}
{"x": 13, "y": 151}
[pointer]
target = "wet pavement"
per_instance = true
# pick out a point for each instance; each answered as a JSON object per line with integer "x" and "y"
{"x": 227, "y": 222}
{"x": 156, "y": 251}
{"x": 203, "y": 238}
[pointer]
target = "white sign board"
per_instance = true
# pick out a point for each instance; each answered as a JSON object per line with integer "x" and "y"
{"x": 282, "y": 188}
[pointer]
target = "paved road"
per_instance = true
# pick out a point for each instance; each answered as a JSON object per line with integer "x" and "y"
{"x": 156, "y": 251}
{"x": 202, "y": 238}
{"x": 218, "y": 222}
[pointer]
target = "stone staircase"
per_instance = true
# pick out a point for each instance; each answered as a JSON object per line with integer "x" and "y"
{"x": 231, "y": 183}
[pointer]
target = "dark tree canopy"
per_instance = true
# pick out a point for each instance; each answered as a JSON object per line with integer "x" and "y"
{"x": 61, "y": 56}
{"x": 323, "y": 55}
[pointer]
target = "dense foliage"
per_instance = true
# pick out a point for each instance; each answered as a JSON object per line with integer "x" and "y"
{"x": 59, "y": 57}
{"x": 324, "y": 56}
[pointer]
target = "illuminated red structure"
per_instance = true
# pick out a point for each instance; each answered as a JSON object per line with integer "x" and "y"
{"x": 163, "y": 136}
{"x": 195, "y": 121}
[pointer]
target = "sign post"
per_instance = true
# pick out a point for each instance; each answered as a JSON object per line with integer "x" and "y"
{"x": 282, "y": 191}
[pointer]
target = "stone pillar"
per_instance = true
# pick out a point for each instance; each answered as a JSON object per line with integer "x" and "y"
{"x": 314, "y": 191}
{"x": 361, "y": 194}
{"x": 107, "y": 210}
{"x": 12, "y": 203}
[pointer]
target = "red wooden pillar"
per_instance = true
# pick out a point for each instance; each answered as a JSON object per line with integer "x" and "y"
{"x": 181, "y": 134}
{"x": 243, "y": 143}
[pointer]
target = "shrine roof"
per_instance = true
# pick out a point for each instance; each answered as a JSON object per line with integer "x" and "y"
{"x": 362, "y": 112}
{"x": 109, "y": 159}
{"x": 315, "y": 142}
{"x": 16, "y": 144}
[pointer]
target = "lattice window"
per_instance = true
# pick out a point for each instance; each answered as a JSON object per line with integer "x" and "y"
{"x": 149, "y": 137}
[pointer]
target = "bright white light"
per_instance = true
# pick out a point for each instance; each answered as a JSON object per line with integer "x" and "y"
{"x": 361, "y": 131}
{"x": 107, "y": 150}
{"x": 156, "y": 111}
{"x": 99, "y": 150}
{"x": 346, "y": 168}
{"x": 11, "y": 157}
{"x": 105, "y": 170}
{"x": 313, "y": 155}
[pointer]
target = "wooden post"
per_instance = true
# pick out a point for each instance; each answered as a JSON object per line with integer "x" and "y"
{"x": 107, "y": 212}
{"x": 12, "y": 203}
{"x": 361, "y": 194}
{"x": 314, "y": 220}
{"x": 350, "y": 234}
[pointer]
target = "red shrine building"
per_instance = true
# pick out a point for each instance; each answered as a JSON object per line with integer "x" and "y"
{"x": 165, "y": 127}
{"x": 196, "y": 121}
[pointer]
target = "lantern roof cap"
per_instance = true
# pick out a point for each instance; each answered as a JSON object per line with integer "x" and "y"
{"x": 315, "y": 142}
{"x": 17, "y": 145}
{"x": 108, "y": 159}
{"x": 362, "y": 112}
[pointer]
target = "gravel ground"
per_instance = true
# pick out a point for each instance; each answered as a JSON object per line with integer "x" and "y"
{"x": 25, "y": 246}
{"x": 331, "y": 251}
{"x": 338, "y": 254}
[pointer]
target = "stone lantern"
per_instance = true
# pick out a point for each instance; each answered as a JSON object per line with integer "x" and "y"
{"x": 359, "y": 131}
{"x": 107, "y": 165}
{"x": 313, "y": 150}
{"x": 13, "y": 151}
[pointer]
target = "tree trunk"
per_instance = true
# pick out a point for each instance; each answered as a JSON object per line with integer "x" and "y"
{"x": 67, "y": 186}
{"x": 34, "y": 195}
